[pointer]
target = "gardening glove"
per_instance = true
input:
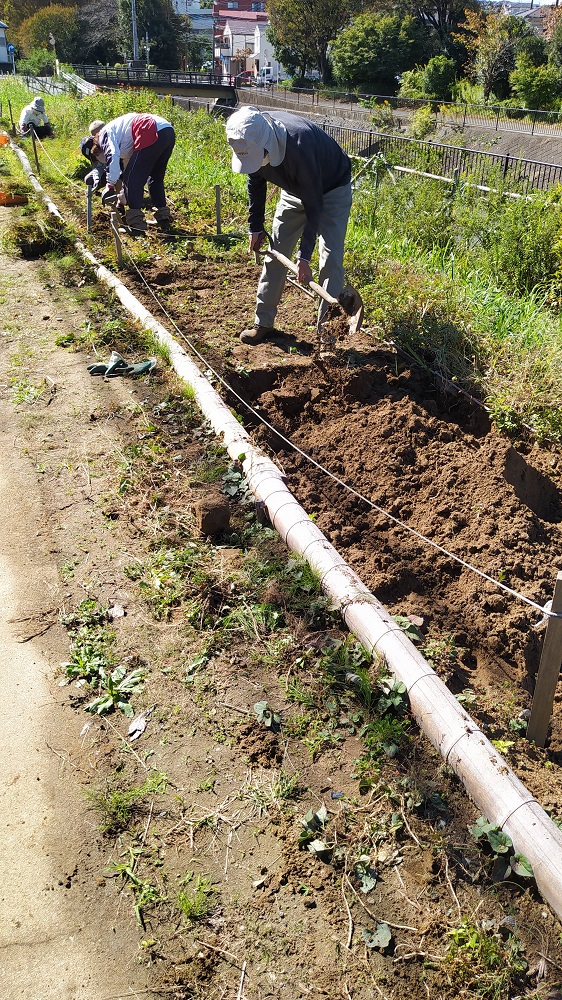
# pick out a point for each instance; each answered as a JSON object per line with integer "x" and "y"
{"x": 109, "y": 195}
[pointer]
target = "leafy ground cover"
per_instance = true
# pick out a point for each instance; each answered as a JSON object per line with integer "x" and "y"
{"x": 279, "y": 810}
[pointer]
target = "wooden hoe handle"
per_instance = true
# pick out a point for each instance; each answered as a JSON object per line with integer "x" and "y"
{"x": 311, "y": 284}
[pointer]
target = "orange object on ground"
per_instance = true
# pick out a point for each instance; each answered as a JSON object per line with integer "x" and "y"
{"x": 4, "y": 138}
{"x": 12, "y": 199}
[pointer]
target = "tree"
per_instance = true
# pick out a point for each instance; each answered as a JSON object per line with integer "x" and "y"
{"x": 536, "y": 86}
{"x": 306, "y": 27}
{"x": 490, "y": 44}
{"x": 166, "y": 30}
{"x": 57, "y": 20}
{"x": 99, "y": 32}
{"x": 440, "y": 18}
{"x": 376, "y": 48}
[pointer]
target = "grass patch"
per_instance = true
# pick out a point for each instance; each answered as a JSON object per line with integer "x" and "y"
{"x": 117, "y": 805}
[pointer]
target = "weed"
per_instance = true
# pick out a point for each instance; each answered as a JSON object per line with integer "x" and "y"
{"x": 24, "y": 391}
{"x": 87, "y": 614}
{"x": 144, "y": 892}
{"x": 482, "y": 962}
{"x": 117, "y": 805}
{"x": 295, "y": 691}
{"x": 116, "y": 686}
{"x": 199, "y": 901}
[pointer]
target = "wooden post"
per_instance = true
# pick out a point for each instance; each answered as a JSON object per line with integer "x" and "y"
{"x": 32, "y": 130}
{"x": 114, "y": 221}
{"x": 548, "y": 673}
{"x": 218, "y": 207}
{"x": 11, "y": 118}
{"x": 89, "y": 208}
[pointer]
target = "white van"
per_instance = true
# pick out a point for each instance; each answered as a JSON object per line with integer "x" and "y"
{"x": 268, "y": 75}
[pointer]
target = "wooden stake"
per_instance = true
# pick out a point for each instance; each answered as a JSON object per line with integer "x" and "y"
{"x": 11, "y": 118}
{"x": 89, "y": 208}
{"x": 32, "y": 130}
{"x": 114, "y": 220}
{"x": 218, "y": 207}
{"x": 548, "y": 673}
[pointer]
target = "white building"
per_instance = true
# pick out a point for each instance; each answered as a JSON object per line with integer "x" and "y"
{"x": 241, "y": 44}
{"x": 5, "y": 60}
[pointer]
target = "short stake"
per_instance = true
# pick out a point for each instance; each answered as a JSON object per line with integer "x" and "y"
{"x": 114, "y": 220}
{"x": 548, "y": 672}
{"x": 32, "y": 130}
{"x": 218, "y": 207}
{"x": 89, "y": 208}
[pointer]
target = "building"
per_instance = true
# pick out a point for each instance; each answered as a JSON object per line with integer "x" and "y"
{"x": 5, "y": 60}
{"x": 241, "y": 42}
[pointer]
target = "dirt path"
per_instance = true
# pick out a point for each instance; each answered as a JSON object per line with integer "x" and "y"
{"x": 58, "y": 939}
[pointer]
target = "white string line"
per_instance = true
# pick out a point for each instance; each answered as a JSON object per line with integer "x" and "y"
{"x": 336, "y": 479}
{"x": 67, "y": 179}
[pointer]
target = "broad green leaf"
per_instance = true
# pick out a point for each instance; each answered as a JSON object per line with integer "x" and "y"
{"x": 379, "y": 938}
{"x": 520, "y": 865}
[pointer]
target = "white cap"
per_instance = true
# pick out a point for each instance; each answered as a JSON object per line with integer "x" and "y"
{"x": 38, "y": 103}
{"x": 95, "y": 126}
{"x": 250, "y": 135}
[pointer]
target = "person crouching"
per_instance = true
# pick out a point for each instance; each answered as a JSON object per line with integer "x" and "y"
{"x": 33, "y": 116}
{"x": 139, "y": 145}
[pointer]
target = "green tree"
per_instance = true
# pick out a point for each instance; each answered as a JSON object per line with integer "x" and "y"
{"x": 377, "y": 47}
{"x": 536, "y": 86}
{"x": 57, "y": 20}
{"x": 440, "y": 19}
{"x": 490, "y": 44}
{"x": 438, "y": 78}
{"x": 307, "y": 27}
{"x": 166, "y": 30}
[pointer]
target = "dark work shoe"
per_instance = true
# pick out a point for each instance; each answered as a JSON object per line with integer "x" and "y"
{"x": 164, "y": 225}
{"x": 255, "y": 334}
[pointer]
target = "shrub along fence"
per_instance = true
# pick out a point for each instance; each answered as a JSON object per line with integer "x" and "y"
{"x": 510, "y": 173}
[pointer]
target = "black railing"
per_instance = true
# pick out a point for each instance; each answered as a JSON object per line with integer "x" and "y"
{"x": 173, "y": 78}
{"x": 497, "y": 117}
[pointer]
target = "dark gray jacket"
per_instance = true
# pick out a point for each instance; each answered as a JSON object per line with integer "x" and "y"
{"x": 313, "y": 165}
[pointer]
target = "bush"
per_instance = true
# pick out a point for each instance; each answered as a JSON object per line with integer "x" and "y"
{"x": 39, "y": 62}
{"x": 536, "y": 86}
{"x": 423, "y": 122}
{"x": 439, "y": 78}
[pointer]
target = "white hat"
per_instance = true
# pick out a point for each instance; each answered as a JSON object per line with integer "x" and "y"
{"x": 95, "y": 126}
{"x": 38, "y": 103}
{"x": 251, "y": 134}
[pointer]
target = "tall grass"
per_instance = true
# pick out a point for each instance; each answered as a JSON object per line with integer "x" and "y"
{"x": 470, "y": 282}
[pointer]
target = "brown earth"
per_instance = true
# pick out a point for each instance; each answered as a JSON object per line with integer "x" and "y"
{"x": 96, "y": 511}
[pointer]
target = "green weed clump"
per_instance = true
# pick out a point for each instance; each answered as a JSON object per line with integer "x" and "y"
{"x": 482, "y": 963}
{"x": 198, "y": 902}
{"x": 117, "y": 805}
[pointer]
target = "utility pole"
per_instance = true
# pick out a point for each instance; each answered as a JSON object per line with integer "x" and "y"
{"x": 147, "y": 48}
{"x": 135, "y": 35}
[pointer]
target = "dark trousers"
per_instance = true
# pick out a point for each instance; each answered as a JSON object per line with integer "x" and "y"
{"x": 41, "y": 131}
{"x": 148, "y": 166}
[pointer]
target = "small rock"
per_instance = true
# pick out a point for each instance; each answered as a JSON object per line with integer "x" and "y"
{"x": 212, "y": 514}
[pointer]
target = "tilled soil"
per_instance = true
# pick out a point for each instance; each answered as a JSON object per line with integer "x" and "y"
{"x": 417, "y": 459}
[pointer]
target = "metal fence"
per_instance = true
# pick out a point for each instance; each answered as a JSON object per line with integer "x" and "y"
{"x": 486, "y": 169}
{"x": 125, "y": 74}
{"x": 497, "y": 117}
